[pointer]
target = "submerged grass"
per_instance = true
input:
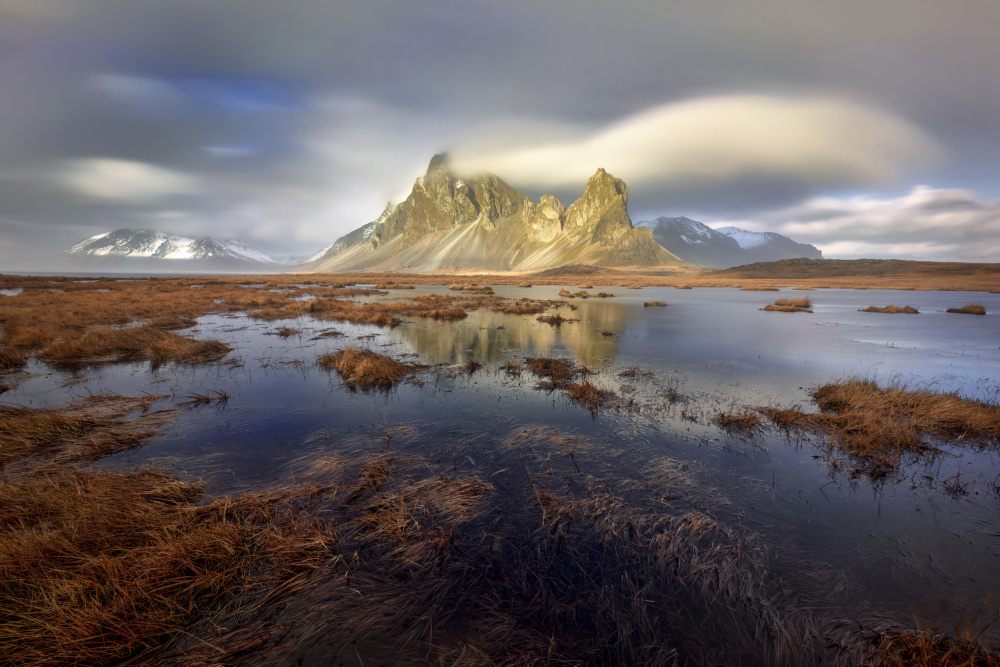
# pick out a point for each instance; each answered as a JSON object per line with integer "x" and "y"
{"x": 879, "y": 426}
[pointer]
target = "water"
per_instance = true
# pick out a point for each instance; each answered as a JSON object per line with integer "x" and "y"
{"x": 905, "y": 544}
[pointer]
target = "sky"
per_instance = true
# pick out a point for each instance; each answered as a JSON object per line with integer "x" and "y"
{"x": 870, "y": 128}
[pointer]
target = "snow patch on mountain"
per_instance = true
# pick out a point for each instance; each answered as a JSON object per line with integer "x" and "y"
{"x": 744, "y": 238}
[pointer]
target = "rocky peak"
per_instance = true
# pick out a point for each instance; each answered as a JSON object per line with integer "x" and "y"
{"x": 602, "y": 211}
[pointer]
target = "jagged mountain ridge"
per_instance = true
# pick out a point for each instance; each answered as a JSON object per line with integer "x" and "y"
{"x": 700, "y": 245}
{"x": 481, "y": 223}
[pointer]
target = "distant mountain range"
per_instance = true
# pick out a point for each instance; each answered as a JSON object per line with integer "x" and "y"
{"x": 725, "y": 247}
{"x": 452, "y": 224}
{"x": 143, "y": 250}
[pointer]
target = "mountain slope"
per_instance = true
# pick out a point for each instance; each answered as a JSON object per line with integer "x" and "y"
{"x": 451, "y": 224}
{"x": 699, "y": 244}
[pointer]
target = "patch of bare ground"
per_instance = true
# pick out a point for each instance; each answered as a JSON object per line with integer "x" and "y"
{"x": 880, "y": 427}
{"x": 790, "y": 306}
{"x": 970, "y": 309}
{"x": 654, "y": 304}
{"x": 909, "y": 310}
{"x": 366, "y": 369}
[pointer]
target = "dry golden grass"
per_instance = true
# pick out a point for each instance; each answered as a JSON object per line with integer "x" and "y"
{"x": 878, "y": 426}
{"x": 970, "y": 309}
{"x": 790, "y": 306}
{"x": 366, "y": 369}
{"x": 741, "y": 420}
{"x": 97, "y": 566}
{"x": 85, "y": 429}
{"x": 588, "y": 394}
{"x": 654, "y": 304}
{"x": 910, "y": 310}
{"x": 557, "y": 371}
{"x": 926, "y": 648}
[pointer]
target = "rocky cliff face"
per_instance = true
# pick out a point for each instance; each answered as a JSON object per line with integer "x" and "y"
{"x": 481, "y": 223}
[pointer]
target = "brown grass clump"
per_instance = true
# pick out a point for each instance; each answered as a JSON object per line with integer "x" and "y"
{"x": 684, "y": 286}
{"x": 878, "y": 427}
{"x": 97, "y": 566}
{"x": 512, "y": 368}
{"x": 654, "y": 304}
{"x": 137, "y": 343}
{"x": 456, "y": 287}
{"x": 589, "y": 394}
{"x": 565, "y": 293}
{"x": 555, "y": 319}
{"x": 910, "y": 310}
{"x": 558, "y": 371}
{"x": 970, "y": 309}
{"x": 608, "y": 334}
{"x": 604, "y": 295}
{"x": 11, "y": 359}
{"x": 758, "y": 288}
{"x": 366, "y": 369}
{"x": 85, "y": 429}
{"x": 742, "y": 420}
{"x": 525, "y": 285}
{"x": 392, "y": 285}
{"x": 790, "y": 306}
{"x": 585, "y": 287}
{"x": 893, "y": 647}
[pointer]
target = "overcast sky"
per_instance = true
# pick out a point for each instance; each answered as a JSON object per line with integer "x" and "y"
{"x": 870, "y": 128}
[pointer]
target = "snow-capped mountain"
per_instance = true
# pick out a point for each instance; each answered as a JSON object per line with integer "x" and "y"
{"x": 699, "y": 244}
{"x": 137, "y": 243}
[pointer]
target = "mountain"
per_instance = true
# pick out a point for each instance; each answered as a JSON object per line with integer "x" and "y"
{"x": 483, "y": 224}
{"x": 143, "y": 250}
{"x": 699, "y": 244}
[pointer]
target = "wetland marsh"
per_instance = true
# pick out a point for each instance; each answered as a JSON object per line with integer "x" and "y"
{"x": 530, "y": 479}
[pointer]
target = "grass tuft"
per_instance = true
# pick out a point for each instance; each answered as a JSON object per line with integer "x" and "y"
{"x": 970, "y": 309}
{"x": 361, "y": 367}
{"x": 654, "y": 304}
{"x": 910, "y": 310}
{"x": 790, "y": 306}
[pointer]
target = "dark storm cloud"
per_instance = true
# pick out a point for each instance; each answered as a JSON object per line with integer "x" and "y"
{"x": 290, "y": 123}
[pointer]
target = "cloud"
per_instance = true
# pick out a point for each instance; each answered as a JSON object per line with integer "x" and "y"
{"x": 820, "y": 141}
{"x": 927, "y": 223}
{"x": 123, "y": 180}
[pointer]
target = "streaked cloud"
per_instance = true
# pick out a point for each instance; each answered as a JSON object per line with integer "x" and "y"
{"x": 821, "y": 141}
{"x": 926, "y": 223}
{"x": 123, "y": 180}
